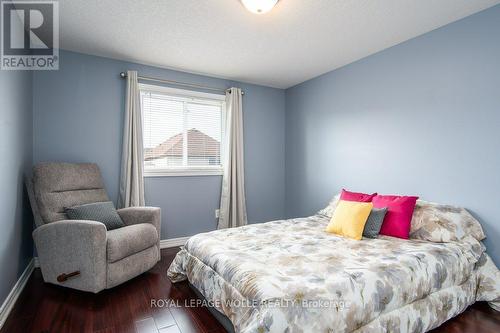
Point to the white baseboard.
(173, 242)
(11, 299)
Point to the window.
(183, 131)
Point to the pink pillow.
(355, 196)
(397, 221)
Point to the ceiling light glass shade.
(259, 6)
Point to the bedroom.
(220, 117)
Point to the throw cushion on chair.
(104, 212)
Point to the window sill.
(184, 172)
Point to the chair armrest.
(73, 245)
(136, 215)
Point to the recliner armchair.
(82, 254)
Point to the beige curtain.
(233, 212)
(132, 177)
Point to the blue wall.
(16, 137)
(78, 116)
(422, 118)
(418, 118)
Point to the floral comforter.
(292, 276)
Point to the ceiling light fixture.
(259, 6)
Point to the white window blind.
(182, 132)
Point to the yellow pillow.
(349, 219)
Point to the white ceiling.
(296, 41)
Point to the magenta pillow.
(397, 221)
(355, 196)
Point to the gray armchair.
(82, 254)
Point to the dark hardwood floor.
(45, 308)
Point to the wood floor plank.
(163, 318)
(45, 308)
(170, 329)
(146, 326)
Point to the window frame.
(194, 96)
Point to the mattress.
(292, 276)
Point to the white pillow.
(328, 210)
(443, 223)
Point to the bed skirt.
(221, 318)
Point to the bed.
(292, 276)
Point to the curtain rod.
(123, 75)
